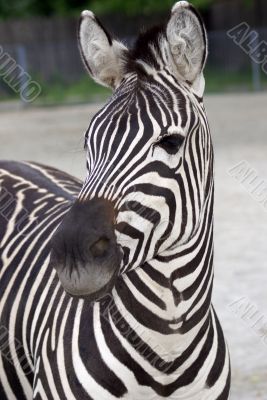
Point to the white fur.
(187, 46)
(199, 85)
(87, 13)
(180, 4)
(105, 61)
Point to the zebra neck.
(166, 302)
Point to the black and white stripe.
(149, 154)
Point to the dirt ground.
(54, 136)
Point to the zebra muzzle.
(84, 250)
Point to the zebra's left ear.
(102, 55)
(187, 38)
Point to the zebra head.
(149, 154)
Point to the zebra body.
(133, 244)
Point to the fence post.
(256, 69)
(22, 61)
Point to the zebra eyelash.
(170, 142)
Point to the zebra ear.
(187, 38)
(102, 55)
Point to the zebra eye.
(171, 143)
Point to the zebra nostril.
(100, 247)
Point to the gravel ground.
(238, 122)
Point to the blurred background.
(41, 37)
(47, 101)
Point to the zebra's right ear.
(187, 38)
(102, 55)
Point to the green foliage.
(18, 8)
(21, 8)
(135, 7)
(60, 92)
(57, 91)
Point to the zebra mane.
(145, 50)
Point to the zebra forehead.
(135, 87)
(139, 96)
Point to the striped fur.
(156, 335)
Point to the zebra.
(106, 286)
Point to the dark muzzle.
(84, 250)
